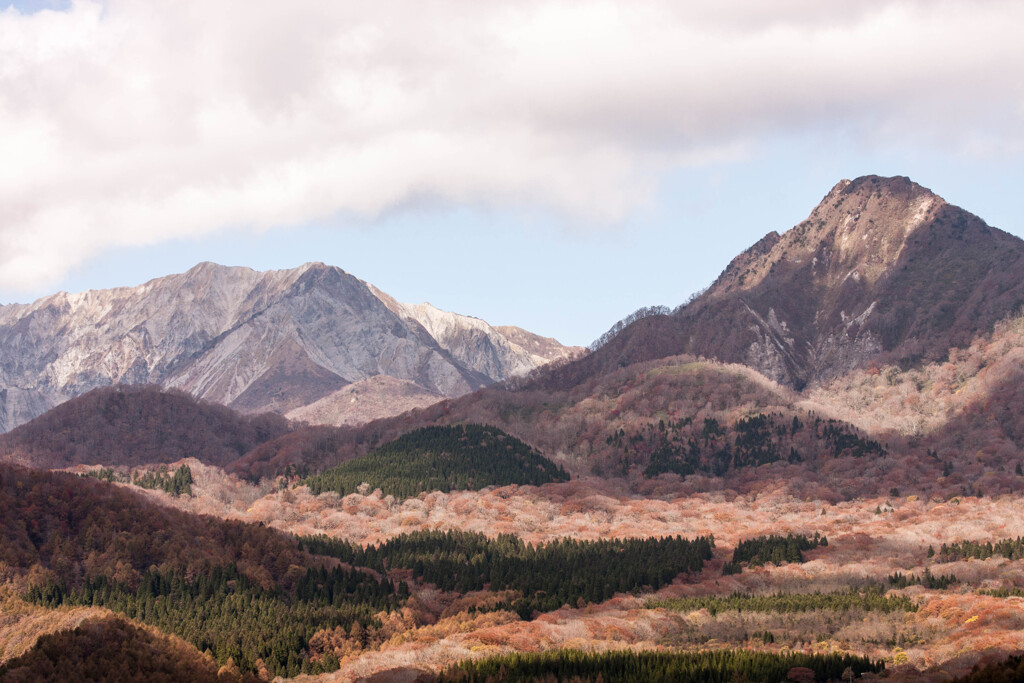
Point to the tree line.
(546, 576)
(928, 580)
(1010, 548)
(177, 484)
(870, 599)
(228, 614)
(441, 458)
(627, 666)
(756, 552)
(1012, 592)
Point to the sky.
(552, 165)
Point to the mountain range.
(882, 274)
(888, 310)
(256, 341)
(291, 472)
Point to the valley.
(814, 466)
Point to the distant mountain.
(675, 415)
(885, 322)
(137, 425)
(882, 270)
(364, 401)
(256, 341)
(497, 352)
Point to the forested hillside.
(112, 650)
(138, 425)
(242, 591)
(678, 415)
(441, 458)
(578, 422)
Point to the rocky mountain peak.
(882, 269)
(273, 340)
(498, 352)
(880, 266)
(859, 230)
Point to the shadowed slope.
(136, 426)
(111, 649)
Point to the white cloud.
(135, 122)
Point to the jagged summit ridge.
(273, 340)
(498, 352)
(882, 269)
(858, 230)
(494, 351)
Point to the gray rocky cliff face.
(476, 344)
(497, 352)
(273, 340)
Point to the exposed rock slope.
(498, 352)
(256, 341)
(364, 401)
(883, 269)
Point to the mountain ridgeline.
(138, 425)
(883, 270)
(255, 341)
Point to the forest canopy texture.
(449, 458)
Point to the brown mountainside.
(79, 528)
(881, 269)
(109, 648)
(620, 424)
(137, 425)
(946, 428)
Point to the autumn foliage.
(137, 425)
